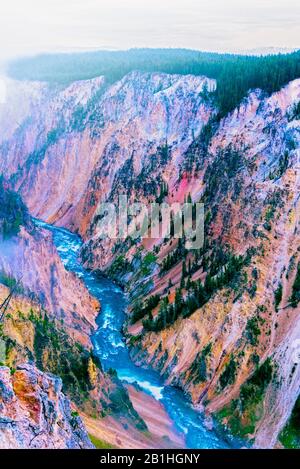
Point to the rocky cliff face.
(32, 257)
(97, 131)
(228, 339)
(249, 179)
(34, 413)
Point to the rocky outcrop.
(34, 413)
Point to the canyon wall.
(64, 152)
(36, 414)
(32, 257)
(46, 320)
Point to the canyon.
(223, 320)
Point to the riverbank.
(160, 434)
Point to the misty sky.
(30, 26)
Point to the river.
(111, 349)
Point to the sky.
(32, 26)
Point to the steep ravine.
(228, 340)
(111, 349)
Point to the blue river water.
(110, 347)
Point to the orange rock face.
(36, 414)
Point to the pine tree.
(184, 269)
